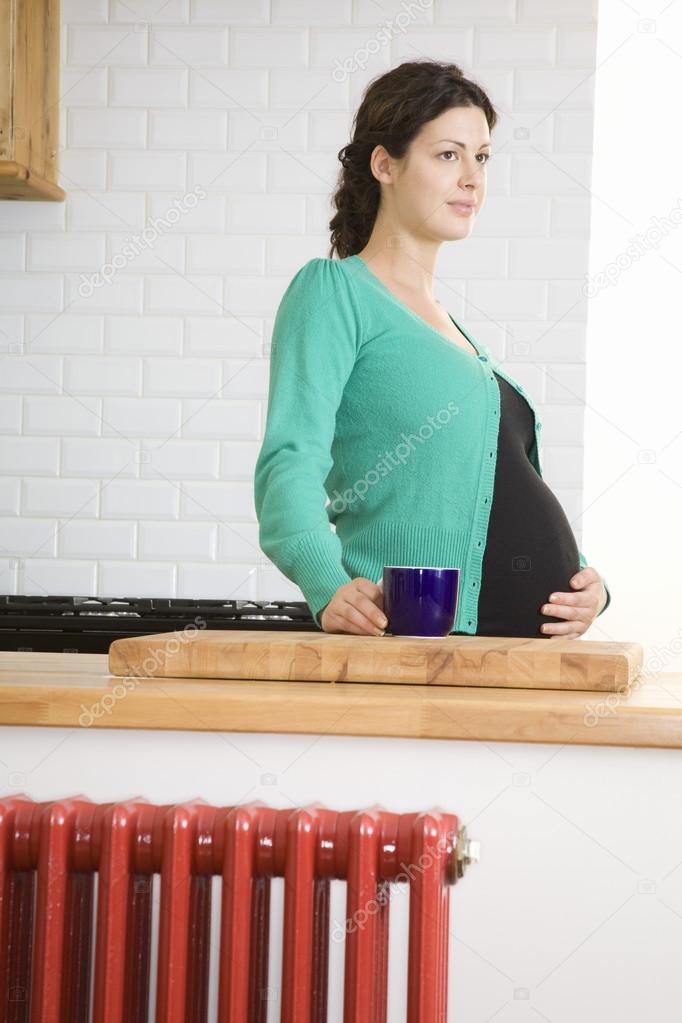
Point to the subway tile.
(135, 579)
(102, 129)
(101, 375)
(71, 251)
(100, 457)
(62, 498)
(35, 456)
(146, 170)
(10, 413)
(177, 541)
(183, 293)
(97, 539)
(148, 87)
(91, 45)
(35, 291)
(220, 418)
(59, 577)
(179, 459)
(193, 47)
(63, 415)
(10, 495)
(31, 374)
(29, 537)
(140, 417)
(12, 251)
(140, 499)
(143, 335)
(188, 129)
(217, 582)
(64, 334)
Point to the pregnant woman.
(382, 404)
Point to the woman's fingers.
(356, 607)
(569, 612)
(564, 629)
(347, 619)
(367, 599)
(364, 615)
(375, 614)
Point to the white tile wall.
(62, 497)
(57, 576)
(12, 251)
(94, 374)
(71, 251)
(137, 417)
(79, 416)
(148, 87)
(30, 456)
(97, 539)
(94, 45)
(10, 414)
(194, 47)
(144, 335)
(193, 541)
(141, 499)
(132, 404)
(102, 211)
(101, 129)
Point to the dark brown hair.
(393, 110)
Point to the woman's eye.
(451, 152)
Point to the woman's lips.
(461, 207)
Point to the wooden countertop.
(76, 690)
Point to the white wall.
(633, 438)
(133, 412)
(572, 913)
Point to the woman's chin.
(458, 232)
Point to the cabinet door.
(29, 100)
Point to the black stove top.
(91, 624)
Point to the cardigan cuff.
(317, 570)
(583, 564)
(608, 597)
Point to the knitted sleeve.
(315, 342)
(583, 564)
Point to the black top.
(530, 550)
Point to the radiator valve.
(467, 850)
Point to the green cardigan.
(376, 411)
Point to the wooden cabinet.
(29, 100)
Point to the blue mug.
(420, 601)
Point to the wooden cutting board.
(327, 657)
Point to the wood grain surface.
(76, 691)
(516, 663)
(29, 100)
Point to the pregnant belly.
(530, 552)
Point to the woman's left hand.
(579, 608)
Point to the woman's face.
(445, 162)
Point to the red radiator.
(51, 852)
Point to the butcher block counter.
(71, 690)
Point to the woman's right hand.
(356, 607)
